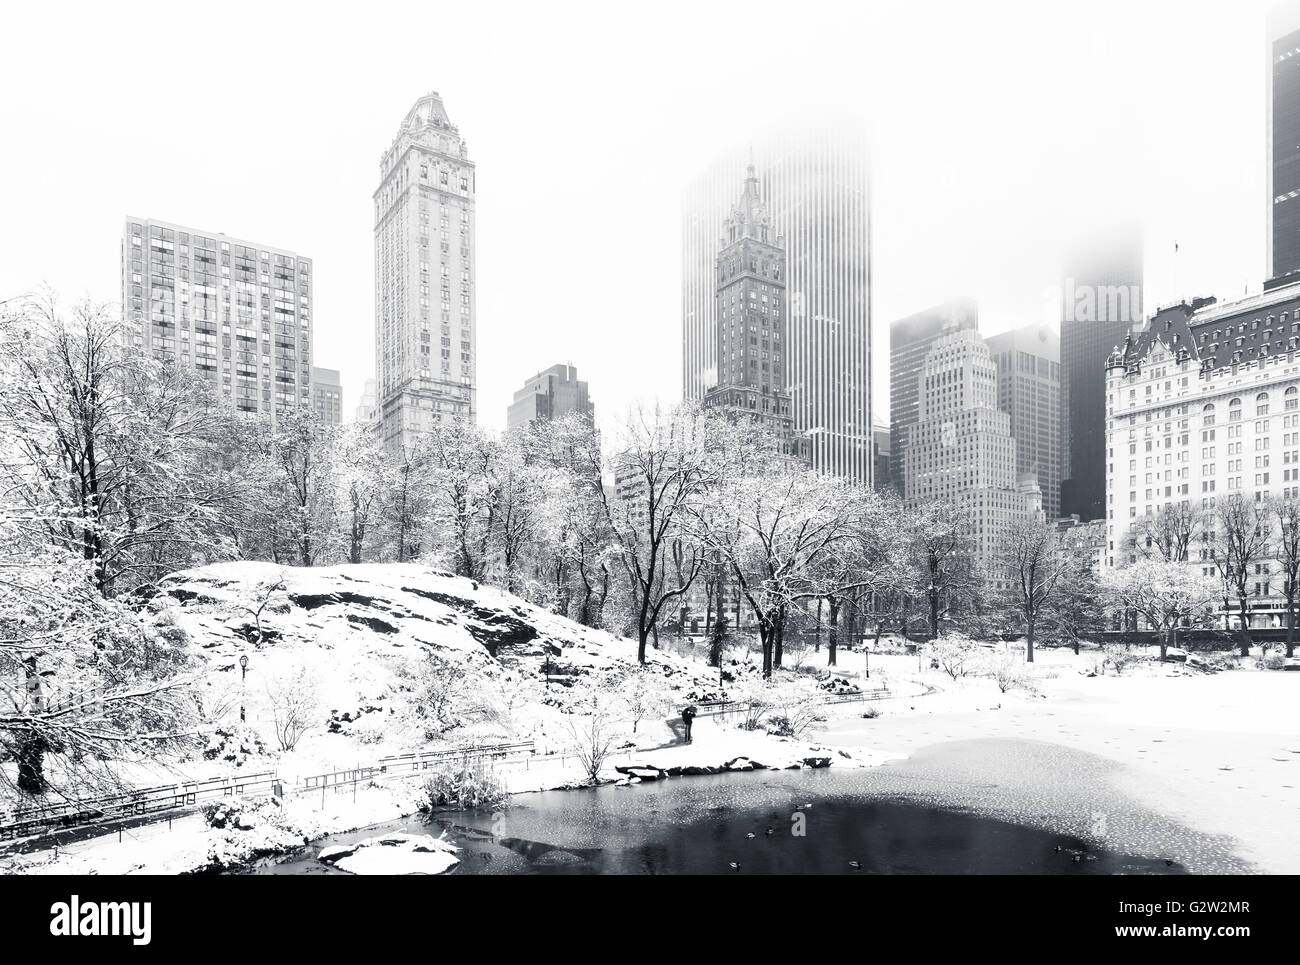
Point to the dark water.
(820, 821)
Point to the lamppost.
(243, 686)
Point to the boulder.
(817, 762)
(394, 854)
(739, 764)
(645, 773)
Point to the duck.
(734, 865)
(855, 865)
(750, 835)
(770, 831)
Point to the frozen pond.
(975, 807)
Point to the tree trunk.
(1029, 641)
(817, 640)
(765, 634)
(1290, 627)
(934, 614)
(1245, 626)
(31, 749)
(832, 628)
(779, 650)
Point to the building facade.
(1205, 404)
(910, 340)
(327, 396)
(425, 339)
(1101, 301)
(1282, 128)
(239, 313)
(1077, 540)
(960, 449)
(817, 190)
(882, 478)
(1029, 391)
(550, 394)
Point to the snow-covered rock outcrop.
(359, 636)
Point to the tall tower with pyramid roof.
(425, 340)
(752, 330)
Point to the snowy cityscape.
(592, 472)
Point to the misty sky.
(997, 128)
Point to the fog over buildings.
(578, 223)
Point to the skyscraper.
(750, 308)
(910, 340)
(327, 395)
(550, 394)
(368, 408)
(1282, 132)
(1101, 299)
(817, 191)
(1029, 391)
(236, 312)
(960, 449)
(424, 276)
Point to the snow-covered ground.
(357, 638)
(1219, 752)
(1215, 751)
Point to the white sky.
(996, 125)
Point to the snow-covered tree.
(1167, 595)
(666, 460)
(777, 530)
(108, 453)
(944, 570)
(1243, 528)
(1034, 567)
(1286, 514)
(86, 685)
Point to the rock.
(739, 764)
(244, 822)
(693, 770)
(330, 855)
(674, 771)
(394, 854)
(645, 773)
(817, 762)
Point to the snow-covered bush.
(795, 703)
(462, 785)
(370, 730)
(293, 706)
(1119, 657)
(448, 695)
(1010, 672)
(235, 745)
(956, 654)
(594, 735)
(223, 814)
(1273, 661)
(644, 694)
